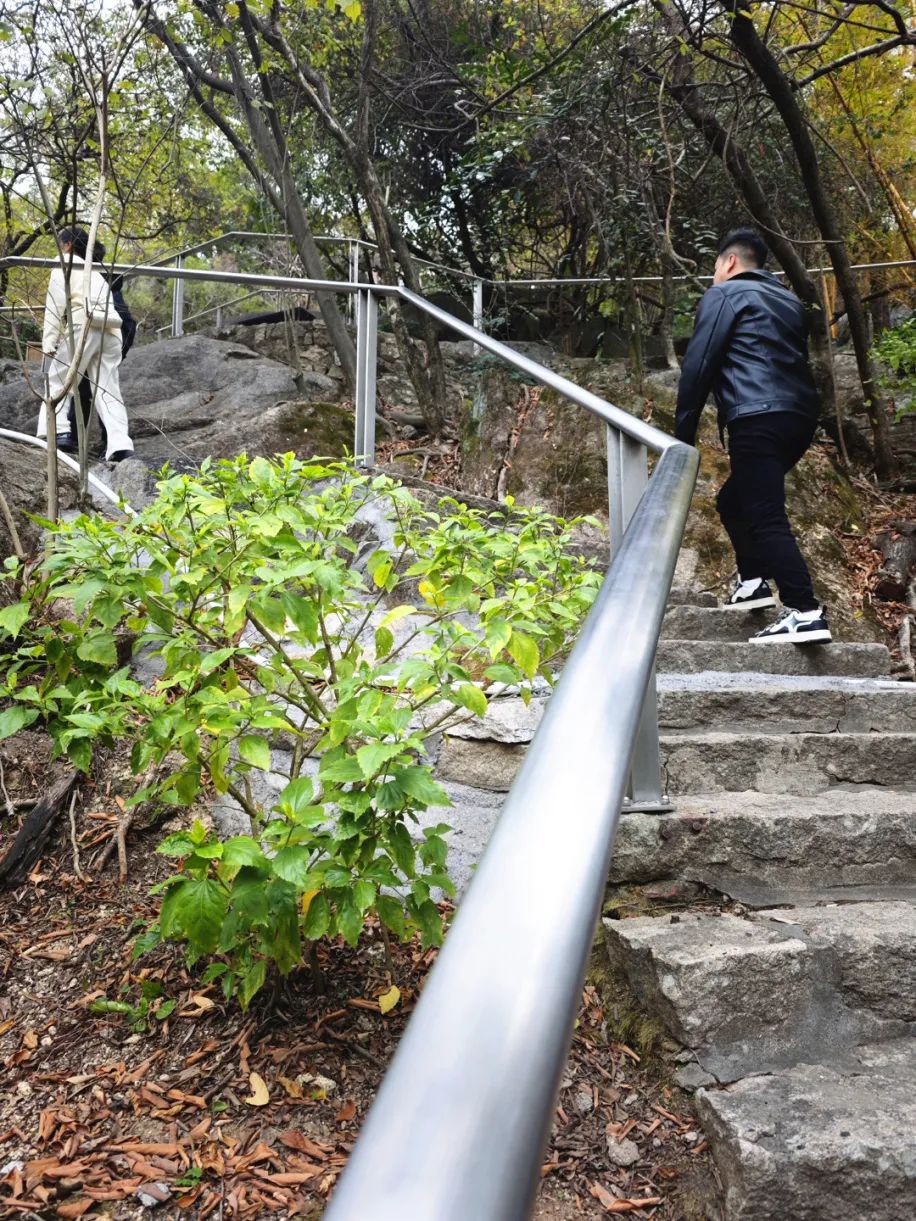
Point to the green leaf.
(303, 613)
(417, 782)
(16, 718)
(271, 613)
(430, 922)
(372, 757)
(398, 612)
(498, 636)
(525, 651)
(212, 661)
(166, 1009)
(194, 909)
(363, 894)
(255, 750)
(296, 797)
(242, 850)
(349, 919)
(179, 844)
(472, 698)
(261, 472)
(79, 752)
(341, 770)
(13, 617)
(391, 914)
(100, 649)
(502, 673)
(292, 864)
(402, 850)
(384, 642)
(252, 981)
(318, 918)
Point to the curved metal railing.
(460, 1122)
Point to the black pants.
(85, 397)
(752, 502)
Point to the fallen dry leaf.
(346, 1112)
(260, 1094)
(74, 1208)
(293, 1088)
(388, 1000)
(602, 1195)
(301, 1143)
(197, 1002)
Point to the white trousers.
(99, 362)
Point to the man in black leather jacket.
(750, 349)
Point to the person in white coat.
(87, 322)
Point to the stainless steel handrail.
(460, 1122)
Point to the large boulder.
(197, 396)
(23, 481)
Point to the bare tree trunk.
(277, 184)
(680, 86)
(428, 378)
(761, 60)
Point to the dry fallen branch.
(35, 831)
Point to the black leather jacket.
(750, 348)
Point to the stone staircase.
(787, 975)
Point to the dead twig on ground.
(76, 850)
(10, 807)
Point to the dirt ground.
(212, 1112)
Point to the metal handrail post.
(628, 475)
(366, 368)
(353, 263)
(178, 302)
(477, 307)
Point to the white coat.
(94, 314)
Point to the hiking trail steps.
(788, 975)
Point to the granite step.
(749, 995)
(694, 656)
(691, 622)
(761, 851)
(819, 1142)
(765, 703)
(794, 763)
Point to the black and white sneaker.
(750, 595)
(796, 627)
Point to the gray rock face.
(713, 623)
(197, 396)
(482, 765)
(819, 1141)
(710, 978)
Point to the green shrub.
(258, 590)
(896, 349)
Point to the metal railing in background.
(460, 1122)
(477, 282)
(353, 244)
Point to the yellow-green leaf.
(388, 1000)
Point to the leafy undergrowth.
(185, 1104)
(883, 511)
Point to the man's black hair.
(747, 244)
